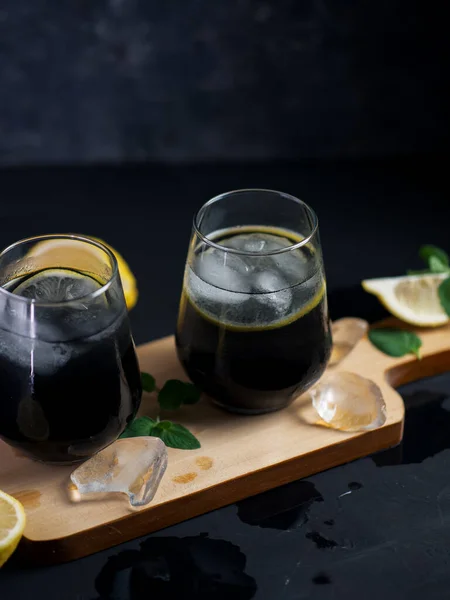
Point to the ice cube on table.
(346, 334)
(133, 466)
(349, 402)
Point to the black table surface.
(377, 527)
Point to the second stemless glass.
(253, 329)
(69, 374)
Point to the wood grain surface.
(240, 456)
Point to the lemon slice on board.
(12, 524)
(63, 251)
(412, 298)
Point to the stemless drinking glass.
(253, 329)
(69, 374)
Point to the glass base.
(60, 463)
(249, 411)
(56, 463)
(63, 461)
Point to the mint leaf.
(163, 425)
(169, 397)
(444, 295)
(191, 393)
(172, 434)
(175, 435)
(437, 266)
(429, 251)
(174, 393)
(138, 427)
(148, 382)
(395, 342)
(436, 259)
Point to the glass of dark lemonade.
(253, 330)
(69, 375)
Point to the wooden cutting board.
(240, 456)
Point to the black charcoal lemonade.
(69, 390)
(253, 331)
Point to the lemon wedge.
(68, 253)
(128, 279)
(412, 298)
(12, 524)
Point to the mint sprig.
(148, 382)
(434, 255)
(437, 260)
(174, 393)
(138, 427)
(395, 342)
(171, 396)
(173, 435)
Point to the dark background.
(343, 104)
(130, 80)
(373, 216)
(375, 528)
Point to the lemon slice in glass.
(69, 252)
(412, 298)
(12, 524)
(57, 285)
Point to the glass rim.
(62, 236)
(205, 239)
